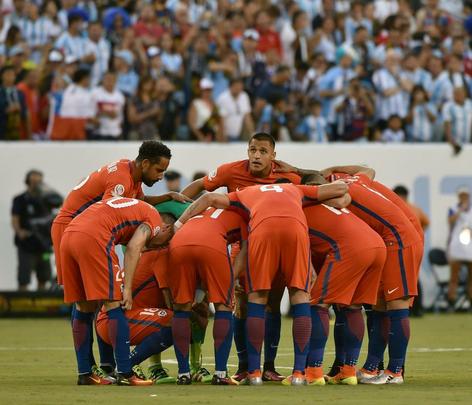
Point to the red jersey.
(258, 203)
(410, 214)
(380, 213)
(236, 175)
(214, 228)
(112, 180)
(338, 232)
(149, 278)
(114, 221)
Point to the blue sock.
(181, 335)
(301, 332)
(222, 338)
(378, 329)
(255, 325)
(319, 335)
(154, 343)
(399, 337)
(353, 334)
(82, 324)
(271, 339)
(106, 352)
(239, 328)
(338, 334)
(118, 331)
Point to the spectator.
(100, 48)
(76, 116)
(147, 29)
(313, 126)
(13, 110)
(50, 11)
(127, 79)
(170, 105)
(333, 85)
(27, 215)
(143, 111)
(173, 181)
(171, 59)
(268, 37)
(273, 119)
(247, 56)
(37, 30)
(72, 43)
(109, 106)
(235, 110)
(403, 193)
(204, 119)
(421, 116)
(394, 131)
(353, 113)
(460, 247)
(457, 117)
(389, 91)
(30, 89)
(276, 87)
(441, 86)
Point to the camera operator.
(32, 215)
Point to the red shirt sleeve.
(310, 193)
(218, 177)
(153, 220)
(364, 179)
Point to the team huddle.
(334, 238)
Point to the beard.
(147, 181)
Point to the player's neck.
(135, 171)
(262, 174)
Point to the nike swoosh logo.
(392, 291)
(237, 189)
(95, 379)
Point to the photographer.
(32, 215)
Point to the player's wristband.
(177, 225)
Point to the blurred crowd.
(218, 70)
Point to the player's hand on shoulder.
(179, 197)
(284, 167)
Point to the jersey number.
(271, 187)
(336, 211)
(128, 202)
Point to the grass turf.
(38, 367)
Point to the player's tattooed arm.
(351, 170)
(216, 200)
(133, 252)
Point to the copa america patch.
(119, 190)
(212, 174)
(162, 313)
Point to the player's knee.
(298, 296)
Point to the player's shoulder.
(228, 168)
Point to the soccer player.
(149, 331)
(277, 242)
(194, 260)
(349, 277)
(259, 168)
(400, 274)
(93, 276)
(123, 178)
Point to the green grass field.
(37, 366)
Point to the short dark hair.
(72, 18)
(263, 136)
(153, 151)
(80, 75)
(401, 190)
(172, 175)
(314, 178)
(32, 172)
